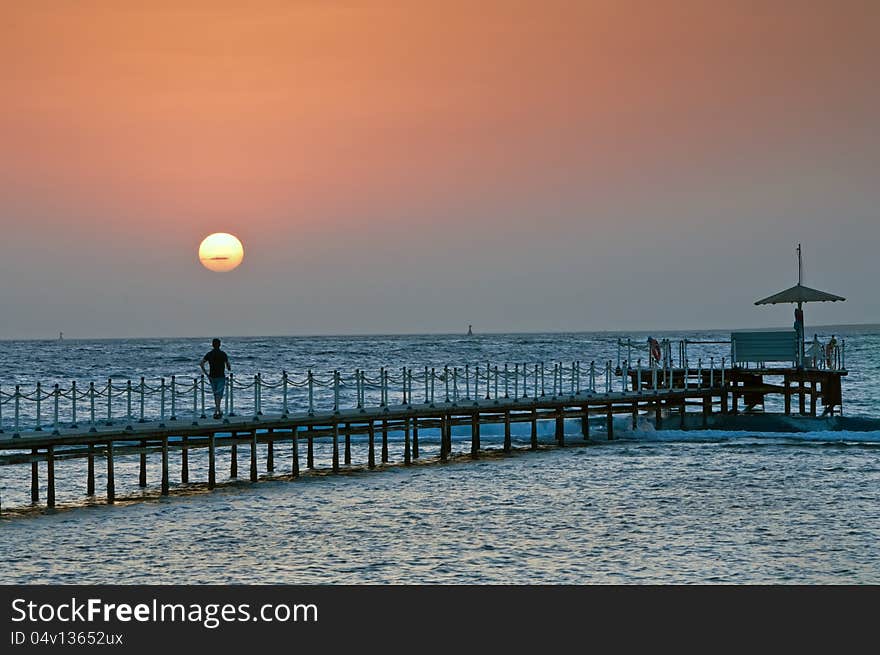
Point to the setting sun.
(221, 252)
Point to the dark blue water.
(667, 506)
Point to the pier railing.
(180, 399)
(54, 406)
(821, 352)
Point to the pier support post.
(90, 473)
(444, 426)
(635, 416)
(348, 444)
(724, 400)
(384, 441)
(534, 429)
(560, 427)
(407, 457)
(35, 478)
(165, 466)
(295, 451)
(585, 423)
(310, 452)
(270, 453)
(335, 447)
(50, 477)
(233, 456)
(658, 414)
(610, 422)
(812, 398)
(735, 398)
(507, 431)
(184, 461)
(683, 410)
(707, 410)
(786, 392)
(254, 474)
(371, 445)
(142, 480)
(415, 438)
(802, 405)
(475, 434)
(212, 461)
(111, 480)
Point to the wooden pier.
(156, 446)
(664, 395)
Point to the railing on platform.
(174, 399)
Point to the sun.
(221, 252)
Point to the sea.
(649, 507)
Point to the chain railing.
(177, 399)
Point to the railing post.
(256, 399)
(592, 377)
(536, 381)
(515, 381)
(433, 376)
(426, 385)
(639, 373)
(161, 403)
(578, 377)
(231, 395)
(699, 373)
(109, 401)
(73, 423)
(202, 386)
(467, 381)
(363, 391)
(311, 393)
(571, 381)
(56, 392)
(542, 378)
(496, 384)
(173, 398)
(259, 394)
(335, 392)
(506, 382)
(476, 384)
(195, 420)
(17, 432)
(284, 394)
(712, 372)
(128, 405)
(446, 380)
(455, 385)
(39, 427)
(722, 371)
(94, 427)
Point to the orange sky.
(527, 127)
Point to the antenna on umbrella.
(800, 266)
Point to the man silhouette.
(219, 364)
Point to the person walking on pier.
(218, 362)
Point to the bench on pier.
(764, 346)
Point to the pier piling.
(35, 478)
(295, 454)
(212, 462)
(90, 471)
(50, 477)
(164, 466)
(111, 480)
(371, 445)
(184, 461)
(254, 472)
(142, 480)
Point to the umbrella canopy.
(799, 294)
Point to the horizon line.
(428, 334)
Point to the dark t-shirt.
(217, 359)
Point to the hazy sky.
(418, 166)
